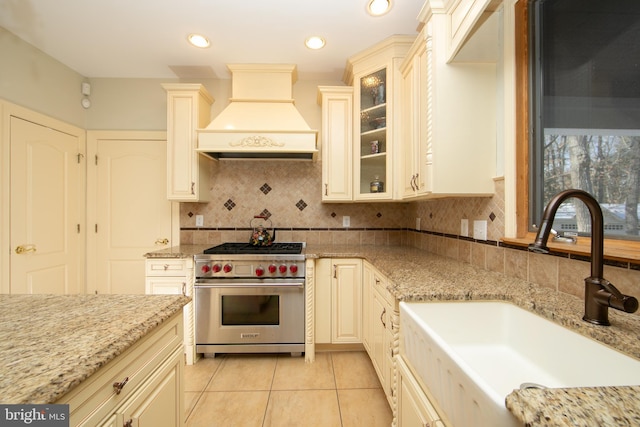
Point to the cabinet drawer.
(95, 398)
(166, 267)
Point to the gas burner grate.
(247, 248)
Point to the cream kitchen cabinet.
(375, 75)
(415, 120)
(450, 111)
(379, 316)
(188, 172)
(414, 408)
(338, 301)
(174, 276)
(142, 386)
(337, 146)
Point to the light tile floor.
(339, 389)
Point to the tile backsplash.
(289, 193)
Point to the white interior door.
(129, 214)
(45, 218)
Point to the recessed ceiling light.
(378, 7)
(198, 40)
(314, 42)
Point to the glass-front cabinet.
(372, 143)
(376, 80)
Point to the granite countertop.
(51, 343)
(418, 276)
(182, 251)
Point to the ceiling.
(147, 38)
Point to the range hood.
(261, 121)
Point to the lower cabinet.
(381, 323)
(338, 292)
(174, 276)
(413, 407)
(142, 386)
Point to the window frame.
(615, 249)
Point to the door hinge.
(96, 160)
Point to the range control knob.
(227, 268)
(259, 271)
(205, 268)
(272, 268)
(217, 268)
(282, 268)
(293, 268)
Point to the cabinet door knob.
(118, 386)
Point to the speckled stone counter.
(51, 343)
(418, 276)
(182, 251)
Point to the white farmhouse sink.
(471, 355)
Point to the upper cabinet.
(188, 172)
(376, 79)
(450, 110)
(337, 137)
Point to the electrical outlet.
(464, 227)
(346, 221)
(480, 230)
(199, 220)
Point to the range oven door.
(245, 312)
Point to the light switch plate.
(199, 220)
(346, 221)
(464, 227)
(480, 230)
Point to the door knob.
(23, 249)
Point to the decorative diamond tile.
(265, 188)
(379, 215)
(265, 213)
(229, 204)
(190, 214)
(301, 205)
(492, 216)
(333, 214)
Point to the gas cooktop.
(249, 249)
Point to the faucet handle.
(608, 286)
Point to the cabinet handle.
(117, 386)
(326, 189)
(335, 271)
(377, 281)
(413, 177)
(417, 185)
(384, 311)
(164, 241)
(23, 249)
(184, 288)
(129, 423)
(193, 188)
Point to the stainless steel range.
(250, 299)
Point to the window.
(584, 111)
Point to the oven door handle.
(251, 285)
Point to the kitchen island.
(50, 345)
